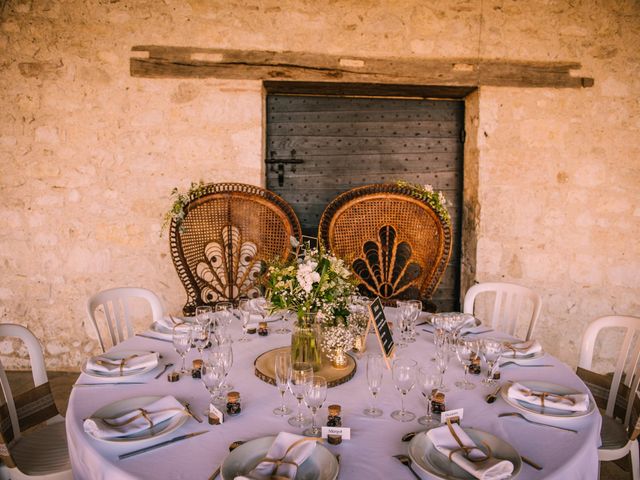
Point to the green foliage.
(436, 200)
(180, 200)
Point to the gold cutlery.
(166, 367)
(506, 364)
(406, 461)
(409, 436)
(232, 447)
(151, 337)
(493, 396)
(161, 444)
(106, 384)
(531, 462)
(519, 415)
(187, 407)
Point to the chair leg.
(635, 460)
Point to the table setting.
(452, 400)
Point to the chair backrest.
(228, 234)
(621, 395)
(115, 305)
(397, 244)
(510, 301)
(28, 408)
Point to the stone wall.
(88, 154)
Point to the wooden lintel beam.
(191, 62)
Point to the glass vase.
(305, 341)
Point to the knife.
(106, 384)
(154, 338)
(161, 444)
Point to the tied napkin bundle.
(287, 452)
(136, 421)
(522, 349)
(453, 442)
(166, 323)
(577, 402)
(123, 364)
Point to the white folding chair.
(41, 453)
(115, 305)
(510, 301)
(618, 392)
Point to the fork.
(187, 407)
(506, 364)
(516, 414)
(167, 366)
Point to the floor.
(61, 383)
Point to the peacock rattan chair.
(228, 233)
(396, 243)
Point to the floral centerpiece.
(316, 285)
(427, 193)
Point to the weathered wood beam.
(191, 62)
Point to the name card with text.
(383, 332)
(344, 432)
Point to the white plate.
(116, 356)
(508, 357)
(321, 465)
(424, 454)
(538, 411)
(114, 410)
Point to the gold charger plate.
(265, 368)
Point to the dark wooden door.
(318, 147)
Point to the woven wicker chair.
(227, 235)
(397, 244)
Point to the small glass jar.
(437, 403)
(263, 329)
(474, 366)
(334, 420)
(196, 371)
(233, 403)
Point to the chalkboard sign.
(383, 332)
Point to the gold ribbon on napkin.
(143, 414)
(466, 450)
(281, 461)
(515, 349)
(543, 395)
(121, 364)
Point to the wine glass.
(314, 396)
(465, 350)
(403, 322)
(182, 342)
(285, 320)
(491, 351)
(245, 314)
(211, 377)
(200, 336)
(283, 376)
(442, 362)
(428, 383)
(404, 378)
(224, 354)
(203, 315)
(414, 308)
(375, 367)
(301, 375)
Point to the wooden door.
(318, 147)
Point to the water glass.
(224, 314)
(224, 355)
(465, 351)
(182, 342)
(428, 383)
(245, 314)
(442, 362)
(211, 376)
(200, 336)
(203, 315)
(415, 307)
(491, 351)
(404, 378)
(314, 396)
(375, 367)
(283, 377)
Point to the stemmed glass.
(301, 375)
(404, 378)
(414, 307)
(427, 383)
(224, 354)
(491, 351)
(314, 396)
(182, 342)
(465, 351)
(283, 376)
(224, 314)
(442, 361)
(375, 367)
(200, 336)
(245, 314)
(404, 322)
(203, 315)
(285, 321)
(211, 377)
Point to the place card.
(344, 432)
(383, 331)
(213, 411)
(454, 416)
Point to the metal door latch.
(277, 164)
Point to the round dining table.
(369, 454)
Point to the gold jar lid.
(233, 397)
(334, 410)
(439, 397)
(197, 364)
(262, 324)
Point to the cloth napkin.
(522, 349)
(287, 447)
(119, 365)
(578, 402)
(136, 421)
(166, 323)
(445, 443)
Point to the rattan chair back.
(396, 243)
(226, 238)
